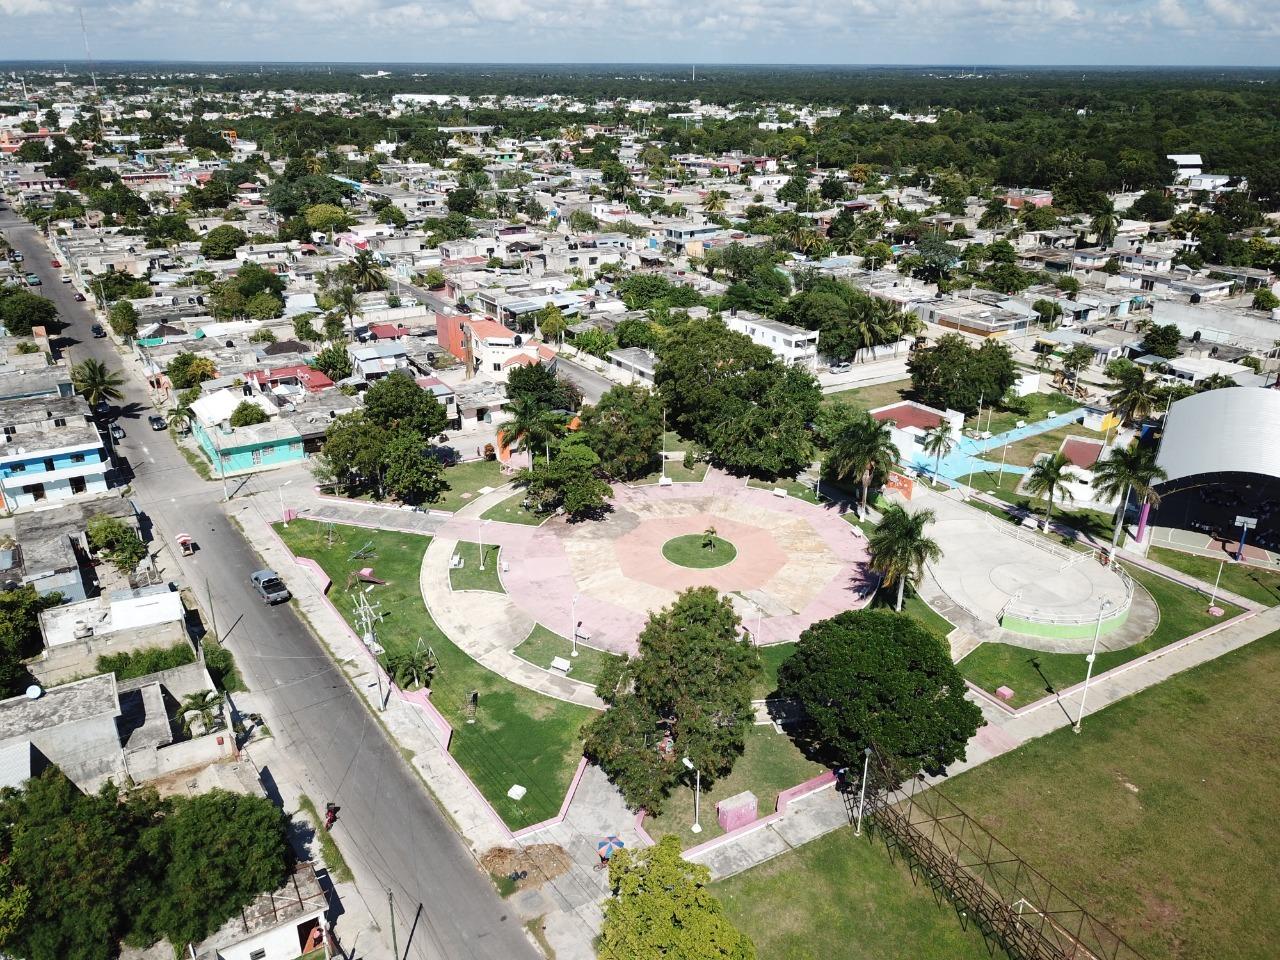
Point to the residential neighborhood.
(712, 513)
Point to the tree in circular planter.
(877, 678)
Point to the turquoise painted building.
(261, 446)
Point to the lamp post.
(862, 793)
(482, 525)
(697, 795)
(1213, 597)
(1093, 655)
(573, 624)
(284, 518)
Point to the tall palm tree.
(939, 442)
(1105, 222)
(344, 299)
(181, 417)
(1124, 470)
(532, 427)
(366, 274)
(96, 382)
(1049, 477)
(861, 449)
(207, 707)
(899, 548)
(1135, 395)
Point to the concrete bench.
(456, 562)
(560, 665)
(779, 492)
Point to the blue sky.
(1104, 32)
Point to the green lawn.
(770, 764)
(1099, 525)
(469, 576)
(1024, 452)
(1038, 407)
(873, 397)
(512, 510)
(465, 479)
(842, 898)
(542, 645)
(694, 551)
(800, 489)
(771, 659)
(1262, 586)
(679, 473)
(1032, 674)
(1160, 816)
(672, 441)
(913, 606)
(518, 737)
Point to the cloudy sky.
(1121, 32)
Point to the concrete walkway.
(965, 457)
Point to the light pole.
(573, 624)
(482, 525)
(862, 793)
(697, 795)
(284, 519)
(1093, 655)
(1213, 597)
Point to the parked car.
(102, 408)
(65, 278)
(841, 367)
(157, 422)
(117, 432)
(97, 331)
(33, 280)
(269, 586)
(79, 298)
(55, 264)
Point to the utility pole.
(391, 908)
(213, 618)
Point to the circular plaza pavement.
(795, 562)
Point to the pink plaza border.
(440, 728)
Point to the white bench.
(779, 492)
(583, 634)
(560, 665)
(456, 562)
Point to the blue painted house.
(232, 450)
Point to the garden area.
(1023, 453)
(513, 510)
(1255, 583)
(1037, 406)
(770, 763)
(841, 896)
(679, 473)
(466, 480)
(1092, 523)
(798, 488)
(542, 646)
(470, 576)
(518, 736)
(699, 551)
(1160, 816)
(1033, 674)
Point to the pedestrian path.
(965, 458)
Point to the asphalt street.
(389, 828)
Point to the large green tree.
(221, 243)
(661, 907)
(953, 375)
(396, 401)
(22, 311)
(879, 679)
(687, 694)
(625, 431)
(567, 480)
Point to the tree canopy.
(625, 431)
(953, 375)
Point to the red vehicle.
(54, 263)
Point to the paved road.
(592, 385)
(389, 827)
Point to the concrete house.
(50, 451)
(243, 449)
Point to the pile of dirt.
(540, 861)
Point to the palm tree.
(899, 548)
(207, 707)
(713, 202)
(1124, 470)
(96, 382)
(863, 447)
(532, 426)
(344, 299)
(1135, 395)
(1105, 221)
(410, 669)
(181, 417)
(939, 442)
(1048, 477)
(366, 274)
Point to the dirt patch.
(541, 861)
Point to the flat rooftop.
(67, 703)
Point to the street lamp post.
(573, 624)
(862, 793)
(1093, 655)
(284, 518)
(482, 525)
(697, 795)
(1213, 597)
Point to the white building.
(50, 450)
(792, 345)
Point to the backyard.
(770, 764)
(542, 646)
(466, 480)
(1160, 816)
(842, 898)
(1245, 580)
(518, 736)
(1032, 674)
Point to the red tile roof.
(1083, 453)
(909, 415)
(312, 380)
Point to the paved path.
(965, 457)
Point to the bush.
(140, 663)
(1264, 299)
(117, 541)
(247, 413)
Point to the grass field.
(679, 473)
(913, 606)
(1093, 522)
(1032, 674)
(872, 397)
(771, 658)
(1038, 407)
(1262, 586)
(541, 646)
(1024, 452)
(842, 898)
(469, 576)
(770, 764)
(800, 489)
(692, 550)
(467, 478)
(1160, 816)
(518, 737)
(512, 510)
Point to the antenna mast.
(88, 57)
